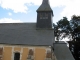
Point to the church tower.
(44, 16)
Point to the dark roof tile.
(25, 33)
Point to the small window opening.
(17, 56)
(30, 55)
(46, 16)
(43, 16)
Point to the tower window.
(17, 56)
(46, 14)
(43, 16)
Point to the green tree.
(71, 30)
(61, 29)
(65, 28)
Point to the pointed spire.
(45, 6)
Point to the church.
(32, 41)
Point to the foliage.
(71, 30)
(62, 29)
(65, 28)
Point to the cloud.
(9, 14)
(70, 6)
(71, 9)
(0, 2)
(18, 5)
(9, 20)
(15, 5)
(21, 5)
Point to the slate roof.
(44, 6)
(25, 34)
(62, 52)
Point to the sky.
(20, 11)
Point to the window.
(43, 15)
(1, 53)
(48, 55)
(30, 55)
(17, 56)
(46, 16)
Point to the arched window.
(30, 55)
(17, 56)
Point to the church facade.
(32, 41)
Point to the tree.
(71, 30)
(62, 29)
(75, 43)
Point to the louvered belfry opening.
(30, 55)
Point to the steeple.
(45, 6)
(44, 16)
